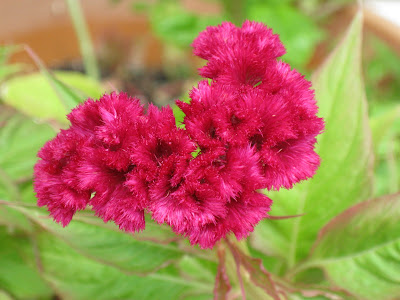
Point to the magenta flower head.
(252, 127)
(92, 159)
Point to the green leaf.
(360, 249)
(9, 192)
(20, 140)
(78, 277)
(255, 277)
(199, 269)
(345, 175)
(18, 274)
(49, 97)
(14, 220)
(131, 253)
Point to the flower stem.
(238, 275)
(85, 42)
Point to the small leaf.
(360, 249)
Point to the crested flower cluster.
(252, 126)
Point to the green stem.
(239, 276)
(85, 43)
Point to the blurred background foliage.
(33, 107)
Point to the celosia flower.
(254, 126)
(242, 53)
(160, 139)
(56, 184)
(257, 105)
(95, 152)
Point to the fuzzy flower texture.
(251, 126)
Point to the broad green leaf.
(345, 175)
(18, 274)
(12, 219)
(360, 249)
(11, 142)
(128, 252)
(78, 277)
(49, 97)
(20, 140)
(199, 269)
